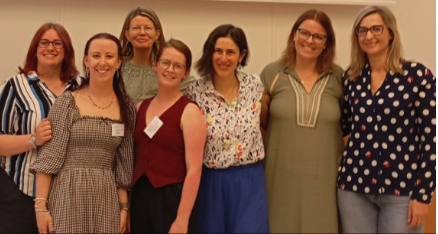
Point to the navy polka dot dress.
(392, 134)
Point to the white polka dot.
(355, 170)
(405, 72)
(399, 148)
(387, 181)
(349, 161)
(366, 172)
(361, 162)
(360, 180)
(404, 139)
(393, 156)
(420, 73)
(391, 95)
(401, 166)
(415, 89)
(401, 113)
(370, 119)
(356, 118)
(362, 145)
(413, 64)
(370, 137)
(348, 178)
(391, 138)
(401, 88)
(362, 110)
(427, 147)
(395, 174)
(411, 148)
(431, 184)
(354, 188)
(428, 174)
(414, 166)
(357, 136)
(384, 145)
(343, 169)
(432, 103)
(423, 165)
(363, 94)
(428, 86)
(387, 111)
(380, 101)
(399, 130)
(350, 143)
(422, 94)
(406, 96)
(367, 190)
(406, 122)
(376, 145)
(433, 121)
(396, 103)
(425, 197)
(409, 175)
(374, 163)
(402, 184)
(369, 102)
(384, 128)
(396, 80)
(433, 157)
(406, 157)
(393, 120)
(422, 191)
(427, 130)
(425, 112)
(358, 87)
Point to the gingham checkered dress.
(88, 165)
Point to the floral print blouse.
(392, 143)
(233, 128)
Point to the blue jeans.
(362, 213)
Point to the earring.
(239, 66)
(87, 73)
(118, 73)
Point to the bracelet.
(41, 210)
(40, 199)
(124, 206)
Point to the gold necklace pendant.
(102, 108)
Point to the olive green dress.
(304, 147)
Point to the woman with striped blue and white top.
(25, 100)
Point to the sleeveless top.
(162, 157)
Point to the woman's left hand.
(179, 226)
(417, 213)
(123, 220)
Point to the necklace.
(102, 108)
(306, 77)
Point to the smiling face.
(307, 48)
(49, 56)
(142, 33)
(170, 68)
(226, 57)
(374, 45)
(102, 59)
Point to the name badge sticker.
(118, 130)
(153, 127)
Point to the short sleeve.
(51, 156)
(124, 162)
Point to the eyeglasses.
(177, 67)
(375, 30)
(138, 29)
(44, 43)
(317, 38)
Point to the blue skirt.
(233, 200)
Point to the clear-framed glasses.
(376, 30)
(44, 43)
(317, 38)
(177, 67)
(138, 29)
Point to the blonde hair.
(127, 50)
(359, 58)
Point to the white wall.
(267, 25)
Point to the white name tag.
(118, 130)
(153, 127)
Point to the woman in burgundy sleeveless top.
(169, 136)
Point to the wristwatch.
(32, 141)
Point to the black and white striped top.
(24, 102)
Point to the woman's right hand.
(43, 132)
(44, 222)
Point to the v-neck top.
(392, 143)
(162, 157)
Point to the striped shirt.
(24, 102)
